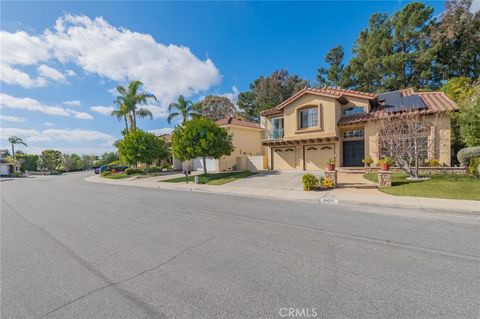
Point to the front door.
(353, 153)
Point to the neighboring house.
(6, 167)
(316, 124)
(248, 149)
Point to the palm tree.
(128, 100)
(185, 109)
(15, 140)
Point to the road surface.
(72, 249)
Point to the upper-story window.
(308, 117)
(353, 110)
(277, 123)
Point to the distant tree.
(107, 158)
(71, 162)
(183, 108)
(215, 107)
(88, 161)
(141, 147)
(332, 76)
(14, 141)
(458, 88)
(269, 91)
(28, 162)
(247, 107)
(201, 137)
(50, 160)
(128, 102)
(456, 38)
(469, 118)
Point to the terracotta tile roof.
(435, 102)
(332, 92)
(237, 122)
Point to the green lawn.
(117, 176)
(214, 179)
(438, 186)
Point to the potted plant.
(367, 161)
(331, 164)
(385, 163)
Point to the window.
(353, 134)
(354, 110)
(309, 117)
(277, 123)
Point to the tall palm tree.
(15, 140)
(184, 108)
(128, 100)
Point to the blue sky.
(61, 60)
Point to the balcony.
(275, 134)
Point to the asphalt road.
(72, 249)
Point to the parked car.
(102, 169)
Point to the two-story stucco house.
(316, 124)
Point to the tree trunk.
(134, 120)
(204, 165)
(13, 151)
(416, 159)
(126, 124)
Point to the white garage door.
(284, 157)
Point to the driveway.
(282, 180)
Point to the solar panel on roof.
(395, 102)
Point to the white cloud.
(50, 73)
(48, 124)
(25, 103)
(104, 110)
(157, 111)
(70, 73)
(72, 103)
(161, 131)
(112, 53)
(233, 95)
(17, 77)
(12, 118)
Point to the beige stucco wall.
(439, 139)
(246, 141)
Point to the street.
(73, 249)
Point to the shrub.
(368, 161)
(432, 163)
(154, 169)
(309, 182)
(327, 182)
(466, 154)
(131, 171)
(106, 173)
(166, 167)
(473, 166)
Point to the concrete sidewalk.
(342, 196)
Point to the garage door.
(283, 158)
(316, 156)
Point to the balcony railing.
(274, 134)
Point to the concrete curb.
(327, 195)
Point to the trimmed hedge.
(106, 173)
(473, 167)
(466, 154)
(131, 171)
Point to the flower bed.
(425, 170)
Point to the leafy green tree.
(200, 137)
(469, 118)
(128, 101)
(215, 107)
(141, 147)
(183, 108)
(14, 141)
(50, 160)
(332, 76)
(107, 158)
(28, 162)
(456, 38)
(71, 162)
(247, 107)
(458, 88)
(88, 161)
(269, 91)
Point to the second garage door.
(283, 158)
(316, 156)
